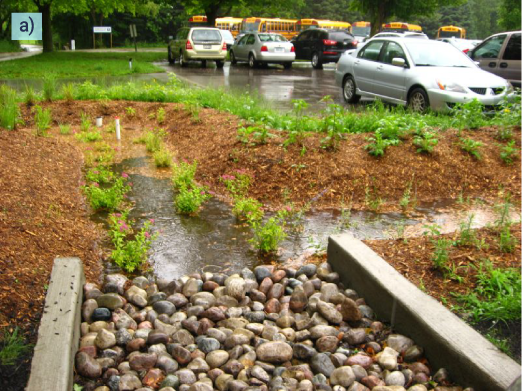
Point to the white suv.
(198, 43)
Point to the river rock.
(111, 301)
(208, 345)
(87, 366)
(308, 269)
(142, 361)
(327, 344)
(236, 287)
(395, 378)
(105, 339)
(88, 309)
(186, 376)
(399, 343)
(274, 352)
(204, 299)
(329, 312)
(217, 358)
(342, 376)
(298, 300)
(321, 363)
(116, 280)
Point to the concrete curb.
(448, 342)
(59, 332)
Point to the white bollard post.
(73, 44)
(99, 122)
(117, 126)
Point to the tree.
(380, 11)
(509, 15)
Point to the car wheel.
(233, 59)
(418, 100)
(349, 89)
(287, 65)
(252, 61)
(169, 56)
(220, 63)
(182, 61)
(316, 61)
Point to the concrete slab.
(448, 342)
(59, 332)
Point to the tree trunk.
(47, 32)
(378, 18)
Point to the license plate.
(279, 49)
(207, 46)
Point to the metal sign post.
(134, 35)
(100, 30)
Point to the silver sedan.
(420, 73)
(263, 48)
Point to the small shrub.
(188, 201)
(268, 236)
(85, 122)
(9, 110)
(372, 198)
(248, 209)
(509, 153)
(504, 134)
(160, 116)
(506, 241)
(162, 158)
(153, 140)
(42, 120)
(49, 86)
(68, 91)
(471, 147)
(440, 255)
(131, 112)
(13, 347)
(29, 96)
(88, 137)
(237, 184)
(378, 145)
(469, 115)
(130, 251)
(407, 197)
(65, 129)
(100, 174)
(467, 236)
(425, 142)
(109, 198)
(183, 174)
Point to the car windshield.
(252, 26)
(226, 34)
(271, 38)
(339, 36)
(362, 31)
(438, 54)
(206, 35)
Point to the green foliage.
(467, 236)
(471, 147)
(269, 235)
(469, 115)
(506, 240)
(496, 296)
(42, 120)
(509, 153)
(9, 111)
(49, 86)
(77, 387)
(407, 197)
(189, 200)
(85, 122)
(296, 130)
(68, 91)
(107, 198)
(131, 112)
(194, 109)
(440, 255)
(88, 137)
(509, 15)
(153, 139)
(183, 174)
(100, 175)
(65, 129)
(332, 125)
(160, 116)
(372, 198)
(378, 144)
(425, 142)
(248, 209)
(13, 347)
(162, 158)
(237, 184)
(502, 344)
(29, 96)
(254, 135)
(131, 248)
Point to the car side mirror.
(399, 62)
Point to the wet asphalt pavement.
(274, 84)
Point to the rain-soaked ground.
(215, 241)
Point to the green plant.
(440, 255)
(469, 115)
(506, 240)
(65, 129)
(131, 112)
(68, 91)
(109, 198)
(162, 158)
(88, 137)
(504, 134)
(502, 344)
(296, 130)
(188, 201)
(183, 174)
(496, 296)
(267, 236)
(100, 175)
(85, 122)
(237, 184)
(425, 142)
(471, 147)
(49, 86)
(13, 347)
(29, 95)
(467, 236)
(9, 110)
(407, 197)
(153, 139)
(160, 116)
(248, 209)
(332, 125)
(129, 254)
(509, 153)
(372, 198)
(194, 109)
(77, 387)
(42, 120)
(378, 145)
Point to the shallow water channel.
(215, 241)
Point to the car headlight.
(451, 86)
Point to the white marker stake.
(99, 122)
(117, 126)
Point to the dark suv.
(322, 46)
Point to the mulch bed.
(42, 216)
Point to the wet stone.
(321, 363)
(164, 307)
(101, 314)
(208, 345)
(111, 301)
(309, 270)
(87, 366)
(129, 382)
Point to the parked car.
(322, 46)
(463, 44)
(228, 37)
(263, 48)
(198, 43)
(419, 73)
(500, 54)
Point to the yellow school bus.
(451, 31)
(399, 26)
(197, 20)
(229, 23)
(361, 29)
(303, 24)
(285, 27)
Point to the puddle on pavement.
(215, 241)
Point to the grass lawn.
(9, 46)
(80, 64)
